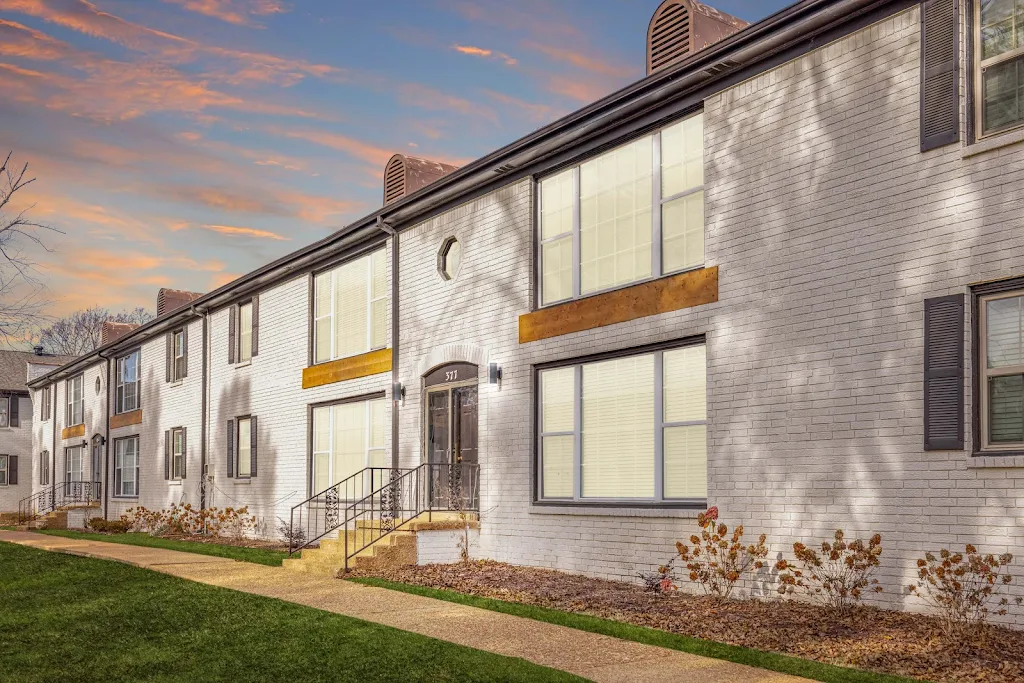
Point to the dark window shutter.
(944, 373)
(255, 325)
(184, 452)
(232, 324)
(231, 449)
(167, 454)
(15, 420)
(940, 73)
(169, 360)
(12, 470)
(252, 446)
(184, 350)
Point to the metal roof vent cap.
(404, 175)
(680, 28)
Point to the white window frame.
(368, 427)
(120, 405)
(69, 388)
(178, 354)
(4, 473)
(657, 209)
(986, 373)
(69, 470)
(659, 426)
(120, 468)
(46, 397)
(247, 420)
(177, 453)
(980, 66)
(370, 301)
(244, 333)
(5, 411)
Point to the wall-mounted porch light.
(494, 374)
(398, 392)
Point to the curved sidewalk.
(599, 658)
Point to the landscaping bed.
(873, 639)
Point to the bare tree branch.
(81, 332)
(21, 300)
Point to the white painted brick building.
(837, 199)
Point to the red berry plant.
(838, 576)
(716, 559)
(963, 586)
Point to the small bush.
(185, 520)
(660, 581)
(293, 537)
(963, 586)
(718, 560)
(107, 526)
(838, 576)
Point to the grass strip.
(271, 558)
(817, 671)
(67, 618)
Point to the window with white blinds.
(347, 437)
(631, 214)
(632, 428)
(351, 308)
(1002, 369)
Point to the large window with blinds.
(347, 438)
(1001, 337)
(629, 428)
(999, 60)
(351, 308)
(631, 214)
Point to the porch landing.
(596, 657)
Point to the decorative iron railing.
(55, 497)
(392, 497)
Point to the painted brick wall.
(18, 441)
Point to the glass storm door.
(97, 462)
(452, 410)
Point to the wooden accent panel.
(371, 363)
(125, 419)
(72, 432)
(673, 293)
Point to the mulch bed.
(230, 540)
(874, 639)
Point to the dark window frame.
(118, 482)
(975, 101)
(238, 431)
(68, 410)
(6, 424)
(535, 459)
(310, 407)
(978, 292)
(179, 374)
(45, 408)
(6, 469)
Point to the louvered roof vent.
(680, 28)
(404, 175)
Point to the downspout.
(53, 438)
(395, 398)
(106, 443)
(204, 422)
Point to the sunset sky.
(182, 143)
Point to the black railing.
(378, 500)
(54, 497)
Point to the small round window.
(450, 258)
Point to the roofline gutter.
(797, 23)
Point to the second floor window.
(5, 411)
(44, 411)
(351, 308)
(128, 383)
(631, 214)
(245, 332)
(75, 413)
(1000, 62)
(179, 358)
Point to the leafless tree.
(21, 291)
(80, 332)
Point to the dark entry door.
(452, 443)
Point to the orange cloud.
(576, 89)
(583, 61)
(426, 97)
(483, 52)
(233, 11)
(539, 113)
(373, 155)
(250, 232)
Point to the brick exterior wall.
(18, 441)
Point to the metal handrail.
(54, 497)
(320, 514)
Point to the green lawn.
(764, 660)
(255, 555)
(65, 618)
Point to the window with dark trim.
(998, 65)
(348, 436)
(127, 391)
(75, 395)
(350, 308)
(631, 214)
(179, 356)
(5, 411)
(44, 468)
(44, 412)
(126, 467)
(4, 473)
(999, 363)
(626, 428)
(178, 453)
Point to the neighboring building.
(16, 422)
(783, 274)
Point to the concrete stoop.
(396, 549)
(58, 519)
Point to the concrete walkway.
(599, 658)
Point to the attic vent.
(668, 38)
(394, 179)
(504, 168)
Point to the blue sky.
(182, 143)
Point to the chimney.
(168, 300)
(111, 331)
(404, 175)
(680, 28)
(37, 349)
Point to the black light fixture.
(398, 391)
(494, 374)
